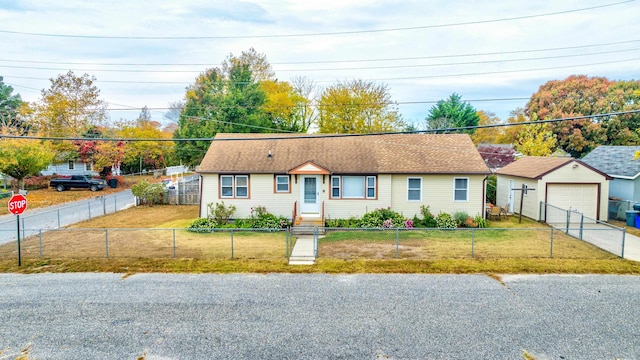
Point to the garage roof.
(616, 161)
(535, 167)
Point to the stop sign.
(17, 204)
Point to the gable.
(309, 168)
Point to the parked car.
(77, 181)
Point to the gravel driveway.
(282, 316)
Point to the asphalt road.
(281, 316)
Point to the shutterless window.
(242, 186)
(335, 186)
(414, 189)
(282, 183)
(371, 187)
(353, 187)
(71, 164)
(461, 189)
(226, 186)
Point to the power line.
(339, 69)
(308, 136)
(563, 48)
(353, 32)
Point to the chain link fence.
(574, 223)
(216, 244)
(618, 209)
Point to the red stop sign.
(17, 204)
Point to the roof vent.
(270, 155)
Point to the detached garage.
(565, 183)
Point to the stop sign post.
(17, 205)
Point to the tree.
(70, 106)
(452, 113)
(11, 120)
(497, 155)
(536, 140)
(257, 63)
(20, 158)
(285, 107)
(582, 95)
(489, 135)
(358, 106)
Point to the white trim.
(232, 187)
(408, 189)
(287, 183)
(367, 187)
(466, 189)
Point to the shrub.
(36, 182)
(351, 222)
(460, 217)
(261, 219)
(148, 193)
(220, 212)
(445, 221)
(482, 222)
(202, 225)
(378, 219)
(428, 220)
(408, 224)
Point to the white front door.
(309, 194)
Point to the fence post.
(315, 241)
(174, 243)
(58, 218)
(40, 242)
(23, 229)
(473, 240)
(568, 220)
(89, 205)
(286, 239)
(551, 244)
(397, 239)
(115, 203)
(104, 205)
(231, 244)
(581, 225)
(542, 203)
(624, 233)
(106, 242)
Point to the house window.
(414, 189)
(71, 164)
(282, 184)
(335, 187)
(234, 186)
(460, 189)
(371, 187)
(353, 187)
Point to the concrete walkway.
(606, 238)
(303, 252)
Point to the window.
(371, 187)
(353, 187)
(460, 189)
(71, 164)
(335, 187)
(282, 183)
(414, 189)
(234, 186)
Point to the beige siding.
(530, 201)
(438, 194)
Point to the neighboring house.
(618, 162)
(562, 182)
(336, 176)
(71, 167)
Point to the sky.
(495, 54)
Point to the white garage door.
(578, 197)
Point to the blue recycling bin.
(631, 217)
(638, 221)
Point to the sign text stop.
(17, 204)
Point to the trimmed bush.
(202, 225)
(382, 218)
(445, 221)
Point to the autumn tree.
(20, 158)
(452, 113)
(11, 120)
(497, 155)
(488, 135)
(285, 108)
(358, 106)
(580, 95)
(256, 62)
(70, 106)
(536, 140)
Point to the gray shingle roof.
(398, 153)
(615, 161)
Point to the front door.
(310, 194)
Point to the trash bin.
(113, 183)
(636, 207)
(638, 221)
(631, 217)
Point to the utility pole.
(523, 191)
